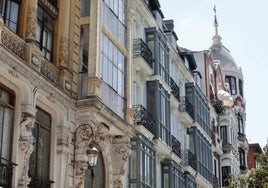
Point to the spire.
(215, 20)
(216, 38)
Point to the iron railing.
(186, 106)
(40, 182)
(176, 146)
(215, 182)
(188, 158)
(175, 89)
(6, 171)
(213, 137)
(140, 48)
(143, 117)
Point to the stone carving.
(64, 52)
(31, 23)
(35, 60)
(11, 41)
(25, 144)
(120, 154)
(86, 134)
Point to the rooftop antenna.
(215, 20)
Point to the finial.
(215, 20)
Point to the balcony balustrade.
(175, 89)
(40, 182)
(13, 43)
(141, 49)
(186, 106)
(176, 146)
(6, 171)
(143, 117)
(188, 158)
(215, 182)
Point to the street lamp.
(92, 155)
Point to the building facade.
(109, 75)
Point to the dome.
(221, 53)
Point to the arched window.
(9, 9)
(232, 83)
(39, 164)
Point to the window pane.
(6, 133)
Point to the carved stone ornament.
(25, 144)
(120, 154)
(64, 52)
(85, 135)
(31, 23)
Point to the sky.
(243, 26)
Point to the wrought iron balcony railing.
(6, 169)
(40, 182)
(215, 182)
(213, 137)
(140, 48)
(186, 106)
(176, 146)
(175, 89)
(143, 117)
(188, 158)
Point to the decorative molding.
(120, 152)
(35, 79)
(31, 23)
(64, 52)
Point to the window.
(232, 84)
(242, 158)
(226, 171)
(113, 74)
(241, 88)
(45, 32)
(158, 104)
(157, 43)
(240, 125)
(203, 153)
(142, 163)
(224, 134)
(9, 10)
(114, 17)
(85, 8)
(172, 175)
(40, 157)
(6, 129)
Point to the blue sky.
(243, 27)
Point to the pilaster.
(94, 37)
(120, 152)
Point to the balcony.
(186, 106)
(13, 42)
(40, 182)
(19, 48)
(143, 117)
(215, 182)
(188, 158)
(176, 146)
(175, 89)
(213, 137)
(6, 171)
(140, 49)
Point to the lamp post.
(92, 154)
